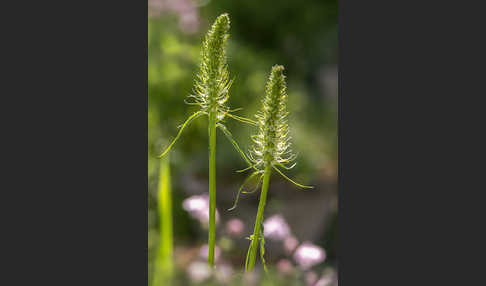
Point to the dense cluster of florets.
(211, 90)
(272, 146)
(213, 83)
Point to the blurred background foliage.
(302, 36)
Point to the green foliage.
(164, 264)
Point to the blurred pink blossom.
(186, 10)
(308, 255)
(203, 252)
(285, 266)
(290, 243)
(196, 203)
(328, 278)
(235, 227)
(223, 273)
(311, 278)
(189, 21)
(198, 271)
(276, 228)
(325, 281)
(250, 278)
(198, 208)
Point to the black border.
(75, 169)
(76, 154)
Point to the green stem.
(164, 263)
(212, 187)
(259, 218)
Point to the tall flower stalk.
(271, 150)
(211, 92)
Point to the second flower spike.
(271, 150)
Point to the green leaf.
(189, 120)
(290, 180)
(242, 119)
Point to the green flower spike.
(271, 150)
(272, 143)
(211, 92)
(211, 89)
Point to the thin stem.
(259, 218)
(164, 264)
(212, 187)
(191, 118)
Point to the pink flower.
(223, 273)
(250, 278)
(328, 278)
(308, 255)
(189, 19)
(310, 278)
(196, 203)
(290, 243)
(198, 208)
(235, 227)
(324, 281)
(276, 228)
(285, 266)
(203, 252)
(198, 271)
